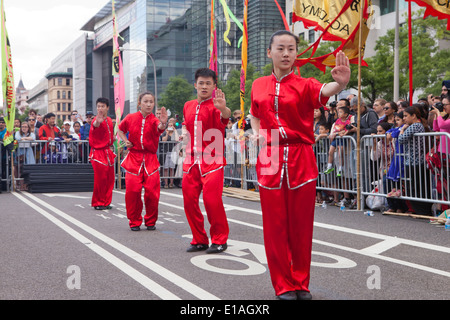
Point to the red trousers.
(133, 201)
(212, 186)
(104, 178)
(288, 217)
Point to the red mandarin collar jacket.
(100, 140)
(144, 134)
(285, 108)
(206, 129)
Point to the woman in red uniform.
(141, 163)
(101, 138)
(282, 112)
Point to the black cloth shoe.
(100, 208)
(303, 295)
(135, 228)
(217, 248)
(197, 247)
(151, 228)
(290, 295)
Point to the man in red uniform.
(101, 138)
(49, 131)
(141, 164)
(282, 112)
(205, 120)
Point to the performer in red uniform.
(282, 112)
(205, 120)
(101, 138)
(141, 163)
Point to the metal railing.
(398, 172)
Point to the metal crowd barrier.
(425, 181)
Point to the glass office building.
(166, 38)
(172, 33)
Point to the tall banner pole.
(9, 94)
(242, 89)
(119, 87)
(358, 132)
(411, 88)
(213, 41)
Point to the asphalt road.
(56, 247)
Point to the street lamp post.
(154, 69)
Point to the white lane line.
(373, 251)
(393, 260)
(382, 246)
(124, 267)
(165, 273)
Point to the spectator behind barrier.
(415, 171)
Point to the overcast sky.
(39, 30)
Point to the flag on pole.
(117, 72)
(338, 21)
(435, 8)
(9, 95)
(213, 42)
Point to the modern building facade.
(166, 38)
(150, 30)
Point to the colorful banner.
(349, 45)
(244, 63)
(228, 21)
(9, 94)
(283, 16)
(338, 16)
(435, 8)
(229, 14)
(244, 58)
(117, 72)
(213, 42)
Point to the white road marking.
(373, 251)
(124, 267)
(167, 274)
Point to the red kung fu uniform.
(287, 172)
(142, 168)
(203, 170)
(102, 159)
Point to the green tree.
(232, 88)
(175, 95)
(430, 63)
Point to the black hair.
(103, 100)
(393, 106)
(49, 115)
(446, 96)
(385, 125)
(281, 33)
(205, 73)
(325, 124)
(346, 101)
(345, 109)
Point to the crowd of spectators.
(397, 160)
(393, 159)
(40, 140)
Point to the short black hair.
(49, 115)
(346, 101)
(103, 100)
(205, 73)
(281, 33)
